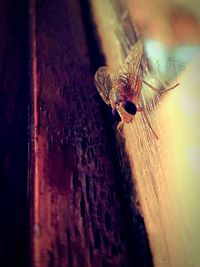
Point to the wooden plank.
(13, 133)
(177, 151)
(164, 176)
(117, 35)
(77, 216)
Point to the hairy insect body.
(118, 93)
(122, 90)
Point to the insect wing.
(132, 67)
(103, 83)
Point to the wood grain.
(164, 170)
(77, 217)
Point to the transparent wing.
(103, 83)
(133, 69)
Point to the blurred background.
(171, 29)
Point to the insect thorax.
(118, 92)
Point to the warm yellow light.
(179, 115)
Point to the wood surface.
(73, 192)
(164, 170)
(79, 215)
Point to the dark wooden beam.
(57, 148)
(77, 215)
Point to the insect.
(122, 90)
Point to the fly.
(122, 90)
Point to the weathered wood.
(139, 141)
(77, 216)
(117, 35)
(172, 188)
(162, 170)
(13, 133)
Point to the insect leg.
(120, 128)
(171, 88)
(160, 91)
(140, 109)
(149, 124)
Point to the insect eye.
(130, 107)
(116, 115)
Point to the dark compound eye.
(116, 115)
(130, 107)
